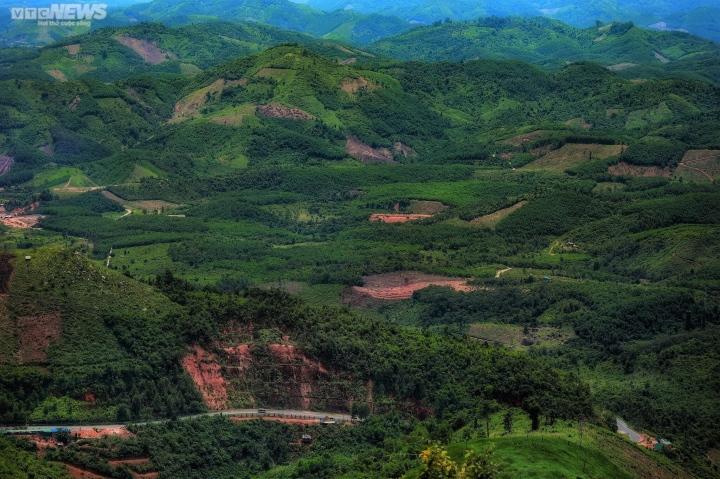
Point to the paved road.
(283, 413)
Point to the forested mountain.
(621, 47)
(116, 53)
(699, 17)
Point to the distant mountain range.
(346, 25)
(621, 47)
(362, 22)
(700, 17)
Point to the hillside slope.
(624, 48)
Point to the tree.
(479, 465)
(437, 464)
(508, 422)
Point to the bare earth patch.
(366, 153)
(423, 207)
(304, 370)
(515, 336)
(404, 150)
(6, 164)
(79, 473)
(525, 138)
(234, 117)
(396, 218)
(626, 169)
(401, 286)
(491, 220)
(354, 85)
(36, 334)
(73, 49)
(57, 74)
(100, 432)
(275, 110)
(573, 154)
(20, 222)
(205, 371)
(700, 165)
(190, 106)
(578, 123)
(618, 67)
(148, 51)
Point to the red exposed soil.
(41, 443)
(149, 51)
(626, 169)
(275, 110)
(78, 473)
(6, 163)
(20, 222)
(396, 218)
(304, 370)
(240, 356)
(37, 333)
(283, 420)
(366, 153)
(205, 371)
(98, 433)
(129, 462)
(402, 285)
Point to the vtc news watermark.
(61, 14)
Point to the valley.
(475, 254)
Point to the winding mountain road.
(256, 413)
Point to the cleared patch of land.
(401, 285)
(190, 105)
(148, 51)
(354, 85)
(492, 220)
(700, 165)
(276, 110)
(235, 116)
(573, 154)
(146, 206)
(626, 169)
(395, 218)
(366, 153)
(515, 336)
(525, 138)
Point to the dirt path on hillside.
(502, 272)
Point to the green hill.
(344, 25)
(623, 48)
(114, 53)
